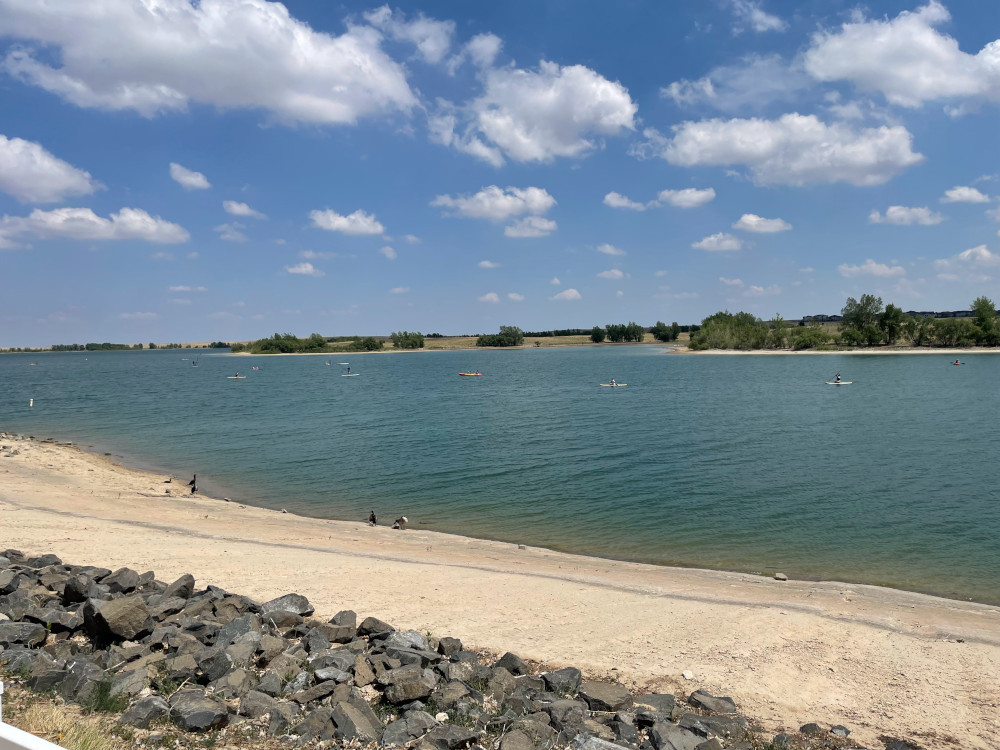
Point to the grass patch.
(101, 700)
(67, 729)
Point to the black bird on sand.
(194, 481)
(372, 520)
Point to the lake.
(746, 463)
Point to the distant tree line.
(407, 339)
(557, 332)
(283, 343)
(508, 336)
(105, 347)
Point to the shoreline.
(876, 659)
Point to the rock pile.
(202, 659)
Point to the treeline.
(283, 343)
(408, 339)
(558, 332)
(865, 323)
(508, 336)
(105, 347)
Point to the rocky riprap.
(204, 659)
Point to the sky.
(225, 169)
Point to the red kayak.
(471, 374)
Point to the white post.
(1, 701)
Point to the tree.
(407, 340)
(891, 322)
(662, 332)
(859, 314)
(984, 312)
(508, 336)
(779, 332)
(597, 335)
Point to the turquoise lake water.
(744, 463)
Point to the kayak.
(842, 382)
(613, 385)
(237, 377)
(471, 374)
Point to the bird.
(400, 523)
(194, 481)
(168, 480)
(372, 520)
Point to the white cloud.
(412, 239)
(488, 264)
(962, 194)
(807, 269)
(974, 257)
(158, 57)
(84, 224)
(792, 150)
(304, 269)
(660, 273)
(555, 281)
(323, 255)
(431, 38)
(241, 209)
(748, 13)
(497, 204)
(357, 223)
(719, 241)
(530, 226)
(870, 268)
(185, 288)
(399, 290)
(388, 252)
(905, 58)
(611, 273)
(491, 297)
(481, 50)
(138, 316)
(754, 83)
(731, 282)
(231, 232)
(33, 175)
(188, 179)
(536, 116)
(754, 223)
(762, 291)
(568, 294)
(617, 200)
(905, 215)
(515, 297)
(610, 250)
(686, 198)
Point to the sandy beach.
(876, 660)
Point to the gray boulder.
(566, 714)
(726, 725)
(145, 711)
(701, 699)
(294, 603)
(516, 740)
(605, 696)
(317, 725)
(448, 646)
(412, 725)
(122, 581)
(255, 704)
(237, 627)
(449, 737)
(194, 711)
(9, 581)
(667, 736)
(351, 723)
(652, 708)
(125, 619)
(372, 626)
(513, 664)
(583, 742)
(406, 639)
(22, 634)
(501, 684)
(346, 618)
(563, 681)
(406, 691)
(183, 588)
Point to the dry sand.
(876, 660)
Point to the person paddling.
(837, 378)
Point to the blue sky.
(177, 171)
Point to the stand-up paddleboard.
(613, 385)
(237, 377)
(842, 382)
(352, 375)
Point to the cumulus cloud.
(33, 175)
(974, 257)
(754, 223)
(431, 38)
(870, 268)
(231, 232)
(530, 226)
(617, 200)
(188, 179)
(185, 288)
(388, 252)
(536, 115)
(497, 204)
(555, 281)
(610, 250)
(762, 291)
(412, 239)
(231, 54)
(514, 296)
(84, 224)
(491, 297)
(754, 83)
(568, 294)
(719, 241)
(488, 264)
(357, 223)
(905, 58)
(731, 282)
(905, 215)
(749, 14)
(304, 269)
(323, 255)
(611, 273)
(481, 50)
(399, 290)
(792, 150)
(686, 198)
(963, 194)
(241, 209)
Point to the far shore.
(880, 661)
